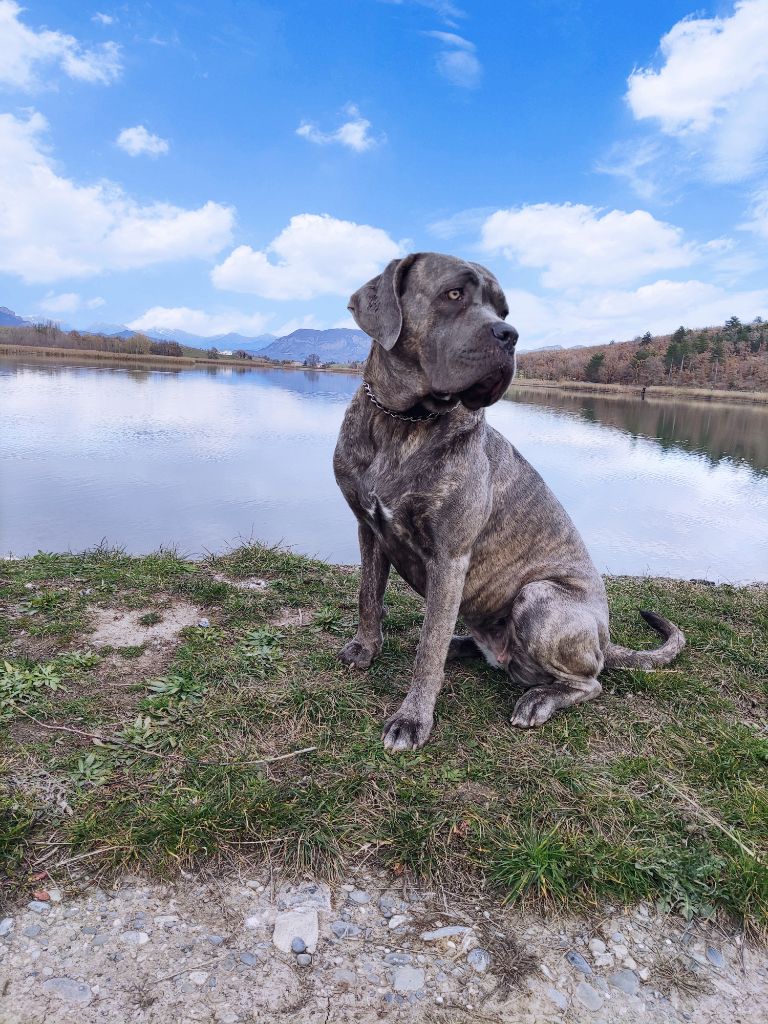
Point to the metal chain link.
(399, 415)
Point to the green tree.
(594, 366)
(647, 338)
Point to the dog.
(456, 509)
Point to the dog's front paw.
(406, 730)
(535, 707)
(356, 654)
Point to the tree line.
(733, 356)
(48, 335)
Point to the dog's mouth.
(487, 390)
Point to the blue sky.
(244, 166)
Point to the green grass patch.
(656, 791)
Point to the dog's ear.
(376, 306)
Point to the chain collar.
(399, 415)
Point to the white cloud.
(575, 245)
(759, 214)
(25, 53)
(68, 302)
(314, 255)
(103, 19)
(52, 228)
(457, 61)
(197, 321)
(712, 89)
(354, 134)
(137, 141)
(594, 317)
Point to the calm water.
(205, 458)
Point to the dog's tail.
(625, 657)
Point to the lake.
(208, 458)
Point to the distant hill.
(219, 341)
(732, 356)
(9, 319)
(336, 345)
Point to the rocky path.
(250, 949)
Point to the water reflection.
(718, 430)
(205, 457)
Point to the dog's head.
(442, 319)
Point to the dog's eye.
(454, 294)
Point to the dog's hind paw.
(405, 731)
(356, 654)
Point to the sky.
(245, 166)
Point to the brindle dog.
(458, 512)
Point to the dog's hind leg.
(374, 572)
(558, 639)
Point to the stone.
(38, 907)
(6, 926)
(198, 977)
(68, 990)
(597, 947)
(134, 938)
(448, 932)
(397, 921)
(577, 960)
(715, 957)
(305, 896)
(342, 976)
(55, 896)
(479, 959)
(407, 979)
(292, 924)
(605, 960)
(620, 950)
(215, 940)
(588, 996)
(557, 997)
(345, 930)
(304, 960)
(204, 623)
(32, 931)
(359, 896)
(627, 981)
(166, 920)
(298, 945)
(398, 959)
(248, 958)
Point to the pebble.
(248, 958)
(134, 938)
(557, 997)
(215, 940)
(577, 960)
(597, 946)
(398, 959)
(345, 930)
(479, 959)
(298, 945)
(588, 996)
(198, 977)
(627, 981)
(32, 931)
(38, 907)
(715, 957)
(397, 921)
(444, 933)
(304, 960)
(69, 990)
(203, 622)
(344, 977)
(360, 896)
(407, 979)
(6, 926)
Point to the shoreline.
(652, 391)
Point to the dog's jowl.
(458, 512)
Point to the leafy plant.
(92, 769)
(261, 652)
(21, 686)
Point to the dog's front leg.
(374, 571)
(410, 726)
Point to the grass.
(657, 791)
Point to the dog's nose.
(504, 333)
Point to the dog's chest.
(390, 501)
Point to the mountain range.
(335, 345)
